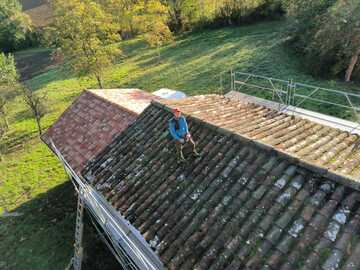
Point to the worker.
(179, 131)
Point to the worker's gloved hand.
(182, 140)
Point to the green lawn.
(32, 181)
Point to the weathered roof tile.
(312, 142)
(353, 262)
(90, 123)
(238, 206)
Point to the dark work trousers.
(179, 146)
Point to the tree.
(152, 17)
(347, 15)
(235, 12)
(14, 25)
(86, 35)
(8, 83)
(301, 16)
(157, 35)
(328, 34)
(336, 39)
(185, 14)
(36, 104)
(122, 14)
(176, 14)
(355, 56)
(3, 114)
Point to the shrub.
(327, 34)
(235, 12)
(14, 25)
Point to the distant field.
(38, 10)
(29, 4)
(193, 63)
(41, 16)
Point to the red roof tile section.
(133, 100)
(90, 123)
(325, 147)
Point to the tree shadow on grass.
(33, 62)
(58, 73)
(132, 47)
(23, 115)
(42, 236)
(197, 70)
(195, 62)
(199, 44)
(37, 68)
(15, 141)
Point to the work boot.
(181, 160)
(196, 153)
(181, 157)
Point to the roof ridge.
(111, 102)
(317, 169)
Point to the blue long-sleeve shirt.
(178, 132)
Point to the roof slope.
(90, 123)
(316, 117)
(326, 147)
(237, 206)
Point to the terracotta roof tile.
(239, 205)
(320, 145)
(92, 121)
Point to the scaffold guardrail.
(290, 93)
(130, 248)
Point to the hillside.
(33, 62)
(32, 180)
(29, 4)
(39, 11)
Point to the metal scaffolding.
(290, 93)
(79, 230)
(125, 242)
(299, 98)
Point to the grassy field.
(33, 62)
(32, 181)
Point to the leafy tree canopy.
(86, 35)
(327, 32)
(8, 73)
(151, 18)
(8, 86)
(14, 25)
